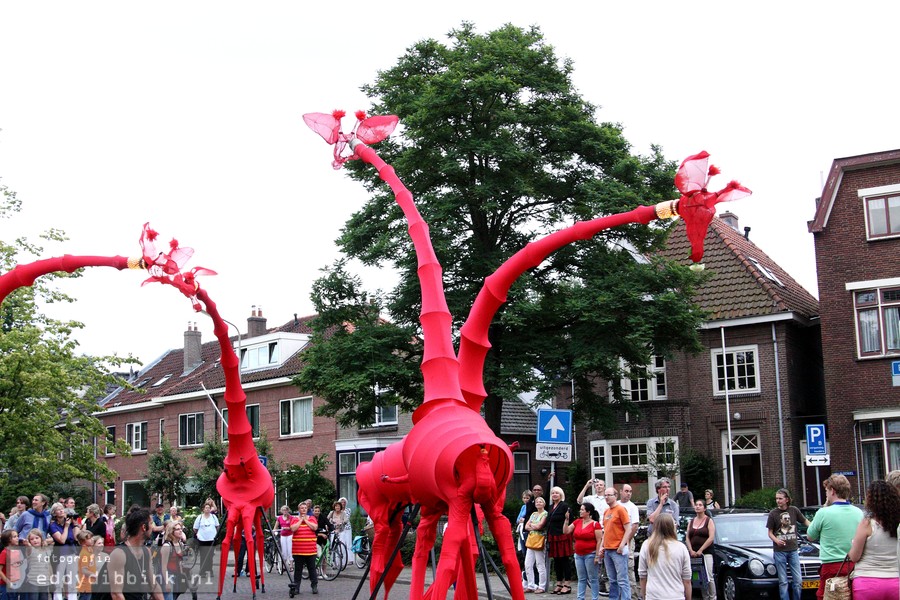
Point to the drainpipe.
(728, 419)
(859, 473)
(575, 437)
(780, 414)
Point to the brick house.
(768, 380)
(856, 229)
(179, 396)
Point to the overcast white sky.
(188, 115)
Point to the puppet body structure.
(245, 485)
(451, 461)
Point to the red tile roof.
(208, 374)
(740, 287)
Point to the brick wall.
(844, 255)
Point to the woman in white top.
(664, 566)
(206, 526)
(874, 547)
(533, 557)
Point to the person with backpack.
(206, 526)
(171, 553)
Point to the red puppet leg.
(426, 533)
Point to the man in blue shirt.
(661, 503)
(36, 517)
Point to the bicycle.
(362, 551)
(331, 560)
(272, 556)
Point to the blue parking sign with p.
(815, 439)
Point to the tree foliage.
(211, 457)
(498, 149)
(306, 481)
(48, 392)
(167, 472)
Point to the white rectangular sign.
(818, 460)
(554, 452)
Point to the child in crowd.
(11, 560)
(39, 572)
(87, 565)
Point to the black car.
(742, 558)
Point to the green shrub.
(763, 498)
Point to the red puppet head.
(697, 205)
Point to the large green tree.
(48, 391)
(167, 472)
(498, 149)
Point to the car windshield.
(742, 529)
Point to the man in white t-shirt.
(635, 519)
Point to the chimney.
(191, 347)
(730, 219)
(256, 323)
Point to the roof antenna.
(746, 233)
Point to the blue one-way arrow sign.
(554, 426)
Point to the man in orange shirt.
(615, 545)
(304, 547)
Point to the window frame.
(254, 431)
(292, 432)
(649, 385)
(184, 427)
(892, 230)
(734, 351)
(136, 429)
(880, 305)
(249, 356)
(109, 448)
(380, 420)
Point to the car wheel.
(729, 587)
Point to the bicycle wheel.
(330, 565)
(281, 566)
(361, 558)
(270, 556)
(341, 556)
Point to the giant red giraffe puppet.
(458, 460)
(245, 485)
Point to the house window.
(637, 462)
(190, 429)
(297, 416)
(883, 215)
(736, 369)
(879, 445)
(598, 458)
(385, 415)
(136, 436)
(878, 321)
(652, 388)
(162, 431)
(255, 357)
(110, 440)
(628, 454)
(252, 416)
(110, 495)
(521, 472)
(347, 464)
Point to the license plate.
(813, 584)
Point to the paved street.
(343, 587)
